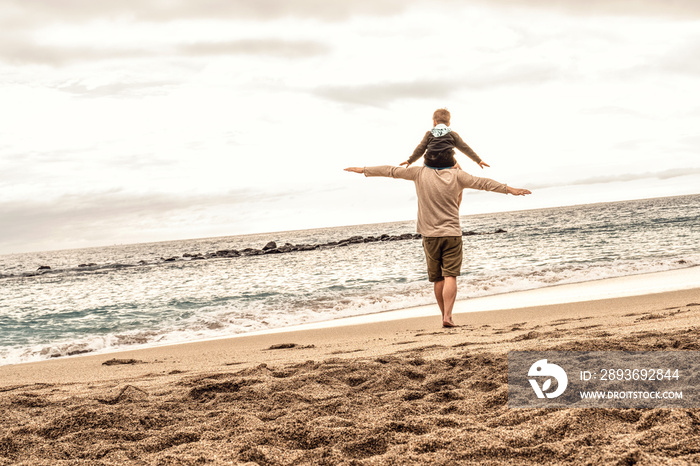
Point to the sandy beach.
(404, 391)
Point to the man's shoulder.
(445, 173)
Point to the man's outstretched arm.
(486, 184)
(388, 171)
(355, 169)
(517, 191)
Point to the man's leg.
(449, 295)
(444, 257)
(438, 287)
(451, 266)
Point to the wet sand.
(404, 391)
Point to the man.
(439, 195)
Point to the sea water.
(131, 297)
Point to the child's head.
(441, 115)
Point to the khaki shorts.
(444, 257)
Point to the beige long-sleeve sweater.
(438, 195)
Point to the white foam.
(634, 285)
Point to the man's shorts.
(444, 257)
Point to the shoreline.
(379, 328)
(615, 287)
(403, 391)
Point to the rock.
(115, 361)
(469, 233)
(43, 267)
(272, 248)
(227, 253)
(500, 230)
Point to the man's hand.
(517, 191)
(407, 163)
(483, 164)
(355, 169)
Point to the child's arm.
(418, 152)
(466, 150)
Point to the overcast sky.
(128, 121)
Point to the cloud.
(603, 179)
(270, 47)
(612, 110)
(20, 50)
(682, 60)
(21, 14)
(678, 9)
(23, 51)
(691, 143)
(379, 95)
(119, 89)
(74, 216)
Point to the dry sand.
(398, 392)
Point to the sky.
(151, 120)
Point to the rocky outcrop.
(270, 248)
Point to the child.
(437, 147)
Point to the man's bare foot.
(449, 324)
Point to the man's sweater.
(439, 195)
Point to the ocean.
(139, 295)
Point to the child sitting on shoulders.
(437, 146)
